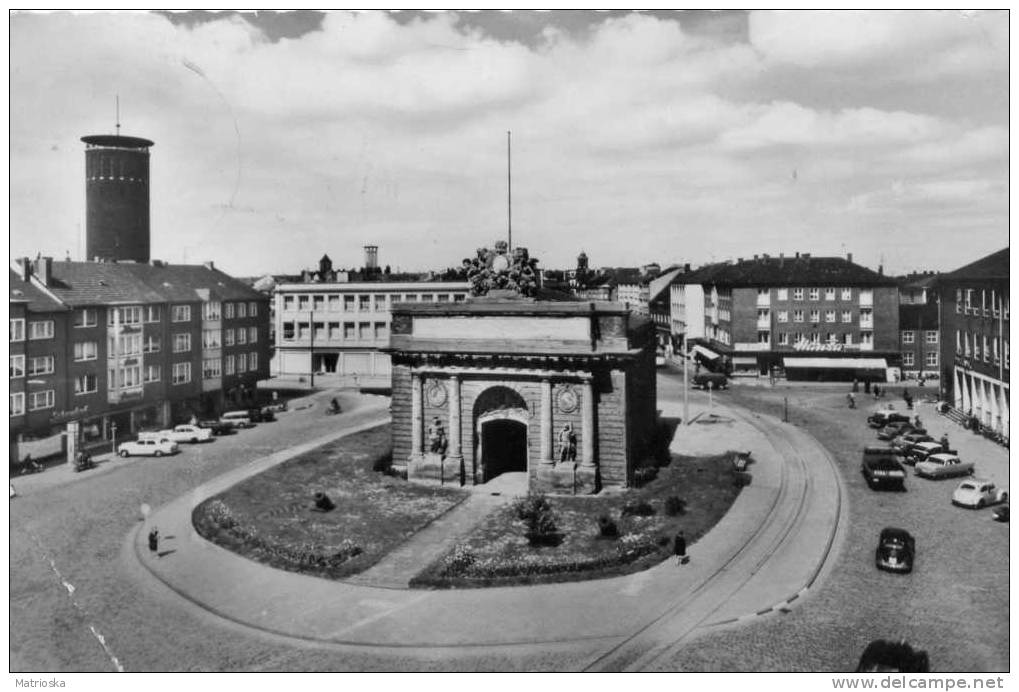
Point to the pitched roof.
(787, 271)
(35, 299)
(94, 283)
(993, 266)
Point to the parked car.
(882, 656)
(714, 380)
(187, 433)
(216, 427)
(261, 415)
(906, 442)
(943, 466)
(659, 361)
(896, 428)
(150, 447)
(157, 435)
(896, 550)
(1000, 513)
(978, 493)
(922, 450)
(238, 419)
(881, 469)
(277, 406)
(880, 419)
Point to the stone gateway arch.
(561, 390)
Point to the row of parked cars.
(883, 467)
(158, 443)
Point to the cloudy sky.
(669, 137)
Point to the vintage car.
(978, 493)
(896, 428)
(238, 419)
(262, 415)
(881, 469)
(1000, 513)
(905, 442)
(896, 550)
(922, 450)
(710, 380)
(882, 656)
(880, 419)
(216, 427)
(187, 433)
(943, 465)
(151, 447)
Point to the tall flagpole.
(509, 192)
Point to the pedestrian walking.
(944, 442)
(154, 540)
(877, 391)
(851, 398)
(916, 422)
(680, 548)
(856, 385)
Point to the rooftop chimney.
(849, 257)
(24, 268)
(756, 257)
(44, 270)
(209, 265)
(371, 257)
(880, 270)
(797, 255)
(686, 267)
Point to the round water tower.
(116, 197)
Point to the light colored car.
(943, 466)
(150, 447)
(978, 493)
(904, 443)
(238, 419)
(187, 433)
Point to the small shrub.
(645, 475)
(642, 508)
(459, 561)
(607, 528)
(742, 479)
(383, 464)
(529, 506)
(674, 506)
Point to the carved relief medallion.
(435, 394)
(567, 400)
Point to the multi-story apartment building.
(39, 362)
(975, 342)
(129, 345)
(813, 317)
(340, 328)
(919, 328)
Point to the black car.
(261, 415)
(899, 427)
(216, 427)
(880, 419)
(710, 380)
(881, 469)
(896, 550)
(883, 656)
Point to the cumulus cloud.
(638, 127)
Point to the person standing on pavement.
(154, 540)
(680, 548)
(944, 442)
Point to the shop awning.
(839, 363)
(744, 360)
(710, 355)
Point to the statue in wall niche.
(567, 443)
(437, 441)
(497, 269)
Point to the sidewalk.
(605, 610)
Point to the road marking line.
(81, 609)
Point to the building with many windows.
(340, 328)
(116, 347)
(975, 344)
(812, 317)
(919, 328)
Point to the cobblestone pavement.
(955, 604)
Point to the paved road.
(955, 604)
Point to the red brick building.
(127, 346)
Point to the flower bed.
(272, 517)
(691, 494)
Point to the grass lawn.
(498, 553)
(270, 517)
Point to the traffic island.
(691, 495)
(278, 518)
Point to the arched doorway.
(501, 419)
(503, 447)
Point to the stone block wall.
(401, 414)
(610, 427)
